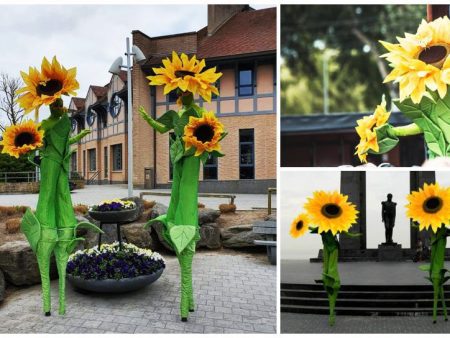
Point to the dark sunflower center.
(23, 138)
(204, 133)
(299, 225)
(433, 55)
(49, 88)
(183, 73)
(331, 210)
(432, 205)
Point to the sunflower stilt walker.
(52, 228)
(197, 136)
(430, 208)
(421, 67)
(328, 214)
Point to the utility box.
(148, 178)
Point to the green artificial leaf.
(168, 119)
(314, 230)
(31, 228)
(181, 236)
(386, 140)
(433, 135)
(204, 157)
(225, 133)
(413, 110)
(89, 225)
(445, 280)
(329, 241)
(189, 152)
(176, 150)
(73, 244)
(181, 121)
(217, 153)
(425, 267)
(161, 218)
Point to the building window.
(245, 80)
(246, 154)
(210, 168)
(171, 139)
(117, 157)
(73, 162)
(172, 96)
(105, 159)
(92, 154)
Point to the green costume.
(181, 230)
(436, 269)
(52, 228)
(330, 273)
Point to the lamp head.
(116, 66)
(138, 54)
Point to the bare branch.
(8, 96)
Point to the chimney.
(219, 14)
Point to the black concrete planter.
(113, 285)
(114, 216)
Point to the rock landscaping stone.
(19, 264)
(239, 236)
(136, 234)
(2, 286)
(207, 216)
(210, 236)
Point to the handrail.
(17, 176)
(93, 177)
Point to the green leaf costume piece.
(181, 228)
(52, 229)
(436, 271)
(330, 273)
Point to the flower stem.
(408, 130)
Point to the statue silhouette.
(388, 217)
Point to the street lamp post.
(115, 69)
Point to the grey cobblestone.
(234, 293)
(307, 323)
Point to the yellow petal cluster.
(421, 61)
(186, 74)
(367, 133)
(22, 138)
(430, 206)
(299, 226)
(203, 133)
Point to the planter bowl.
(115, 216)
(113, 285)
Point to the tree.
(353, 31)
(8, 105)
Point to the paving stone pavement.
(308, 323)
(235, 293)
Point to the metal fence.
(17, 176)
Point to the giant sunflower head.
(430, 206)
(421, 61)
(203, 133)
(186, 74)
(299, 225)
(46, 86)
(330, 211)
(22, 138)
(367, 133)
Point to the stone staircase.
(361, 300)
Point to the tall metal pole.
(325, 83)
(130, 122)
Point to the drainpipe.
(153, 114)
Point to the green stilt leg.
(330, 273)
(45, 250)
(436, 269)
(444, 305)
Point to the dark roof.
(247, 32)
(99, 91)
(330, 123)
(79, 102)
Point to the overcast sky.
(89, 37)
(297, 186)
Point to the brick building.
(241, 43)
